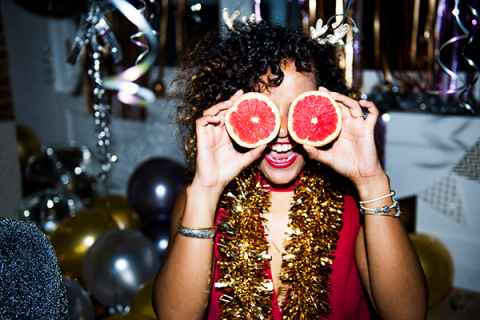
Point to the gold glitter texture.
(315, 219)
(315, 223)
(242, 245)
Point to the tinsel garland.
(243, 247)
(315, 220)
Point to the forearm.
(397, 284)
(183, 284)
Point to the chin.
(282, 174)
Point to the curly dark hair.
(224, 62)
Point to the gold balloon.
(142, 300)
(437, 264)
(75, 235)
(27, 144)
(129, 316)
(120, 211)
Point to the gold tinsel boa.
(315, 220)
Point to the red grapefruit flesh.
(253, 120)
(314, 119)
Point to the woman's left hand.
(353, 154)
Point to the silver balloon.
(80, 305)
(117, 264)
(49, 207)
(45, 167)
(69, 167)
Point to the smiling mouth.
(281, 154)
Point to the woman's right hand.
(217, 160)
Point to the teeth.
(280, 161)
(282, 147)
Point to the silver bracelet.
(391, 194)
(199, 233)
(382, 211)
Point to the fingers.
(372, 111)
(236, 95)
(318, 155)
(206, 120)
(254, 154)
(355, 107)
(222, 106)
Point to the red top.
(347, 297)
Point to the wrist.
(201, 205)
(373, 187)
(206, 186)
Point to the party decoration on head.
(230, 19)
(339, 31)
(117, 264)
(153, 188)
(316, 33)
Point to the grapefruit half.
(314, 119)
(253, 120)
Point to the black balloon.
(153, 188)
(158, 231)
(80, 305)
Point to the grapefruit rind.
(329, 124)
(235, 121)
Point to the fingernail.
(228, 102)
(332, 93)
(323, 89)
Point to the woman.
(289, 238)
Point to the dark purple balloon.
(158, 231)
(153, 188)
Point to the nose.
(283, 133)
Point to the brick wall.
(6, 104)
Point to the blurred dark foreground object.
(31, 285)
